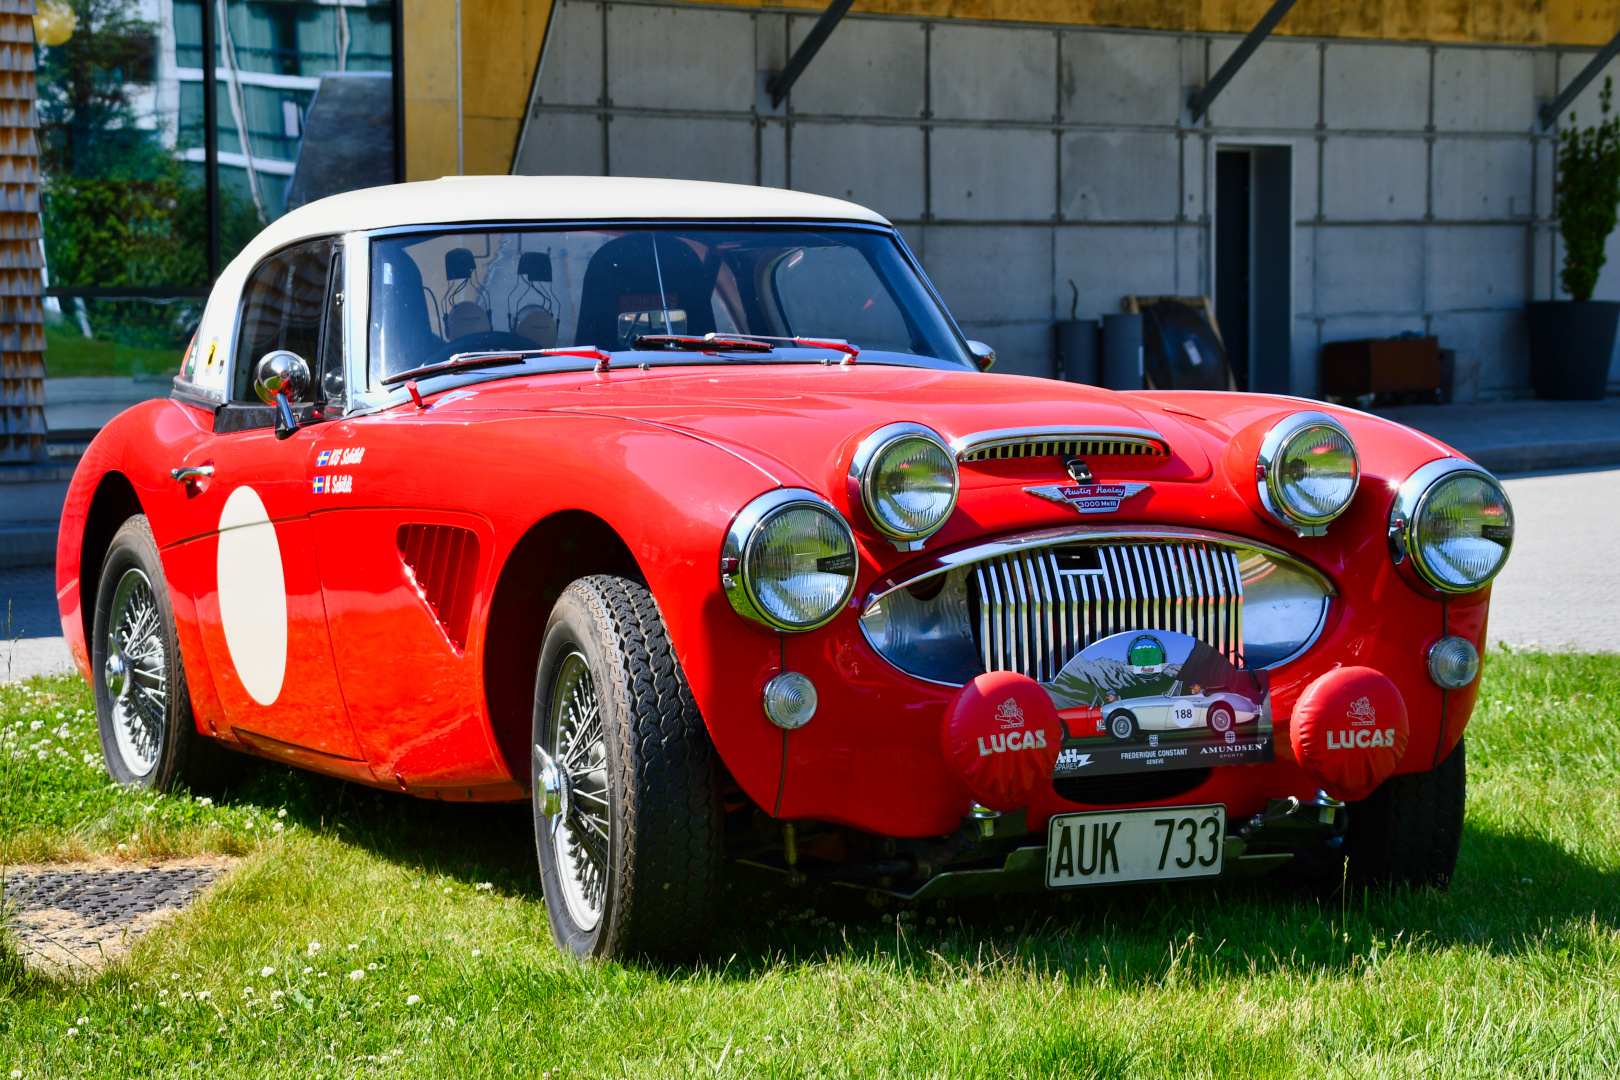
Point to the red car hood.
(804, 416)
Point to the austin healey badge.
(1088, 498)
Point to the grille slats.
(1034, 617)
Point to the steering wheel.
(483, 341)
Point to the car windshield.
(436, 295)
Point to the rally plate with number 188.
(1160, 844)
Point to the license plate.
(1111, 846)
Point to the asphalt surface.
(1561, 588)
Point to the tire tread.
(1408, 832)
(670, 848)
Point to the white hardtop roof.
(456, 199)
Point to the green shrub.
(1588, 194)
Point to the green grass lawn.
(366, 933)
(69, 353)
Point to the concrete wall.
(1018, 159)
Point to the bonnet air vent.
(1060, 442)
(443, 564)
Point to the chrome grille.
(1035, 615)
(1063, 447)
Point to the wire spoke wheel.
(137, 672)
(579, 832)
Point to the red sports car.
(687, 512)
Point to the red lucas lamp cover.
(1001, 734)
(1349, 731)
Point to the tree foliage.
(119, 208)
(1588, 193)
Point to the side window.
(328, 374)
(282, 307)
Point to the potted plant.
(1572, 341)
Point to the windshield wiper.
(470, 361)
(708, 343)
(754, 343)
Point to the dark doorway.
(1254, 252)
(1233, 199)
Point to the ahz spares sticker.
(1155, 699)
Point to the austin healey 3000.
(687, 513)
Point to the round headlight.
(1455, 523)
(906, 479)
(789, 561)
(1307, 471)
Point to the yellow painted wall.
(500, 45)
(501, 42)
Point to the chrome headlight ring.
(1270, 476)
(866, 470)
(740, 549)
(1412, 502)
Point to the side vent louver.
(443, 564)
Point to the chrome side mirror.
(280, 377)
(983, 355)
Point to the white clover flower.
(174, 975)
(73, 1031)
(84, 1019)
(414, 999)
(205, 801)
(266, 972)
(204, 995)
(314, 947)
(357, 975)
(371, 966)
(484, 886)
(123, 847)
(249, 825)
(282, 812)
(277, 827)
(247, 991)
(16, 1074)
(353, 946)
(478, 952)
(307, 970)
(276, 993)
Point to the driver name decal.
(332, 485)
(347, 455)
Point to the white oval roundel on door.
(252, 595)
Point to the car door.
(252, 561)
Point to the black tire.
(1122, 725)
(657, 891)
(149, 738)
(1407, 833)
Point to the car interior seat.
(623, 277)
(466, 303)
